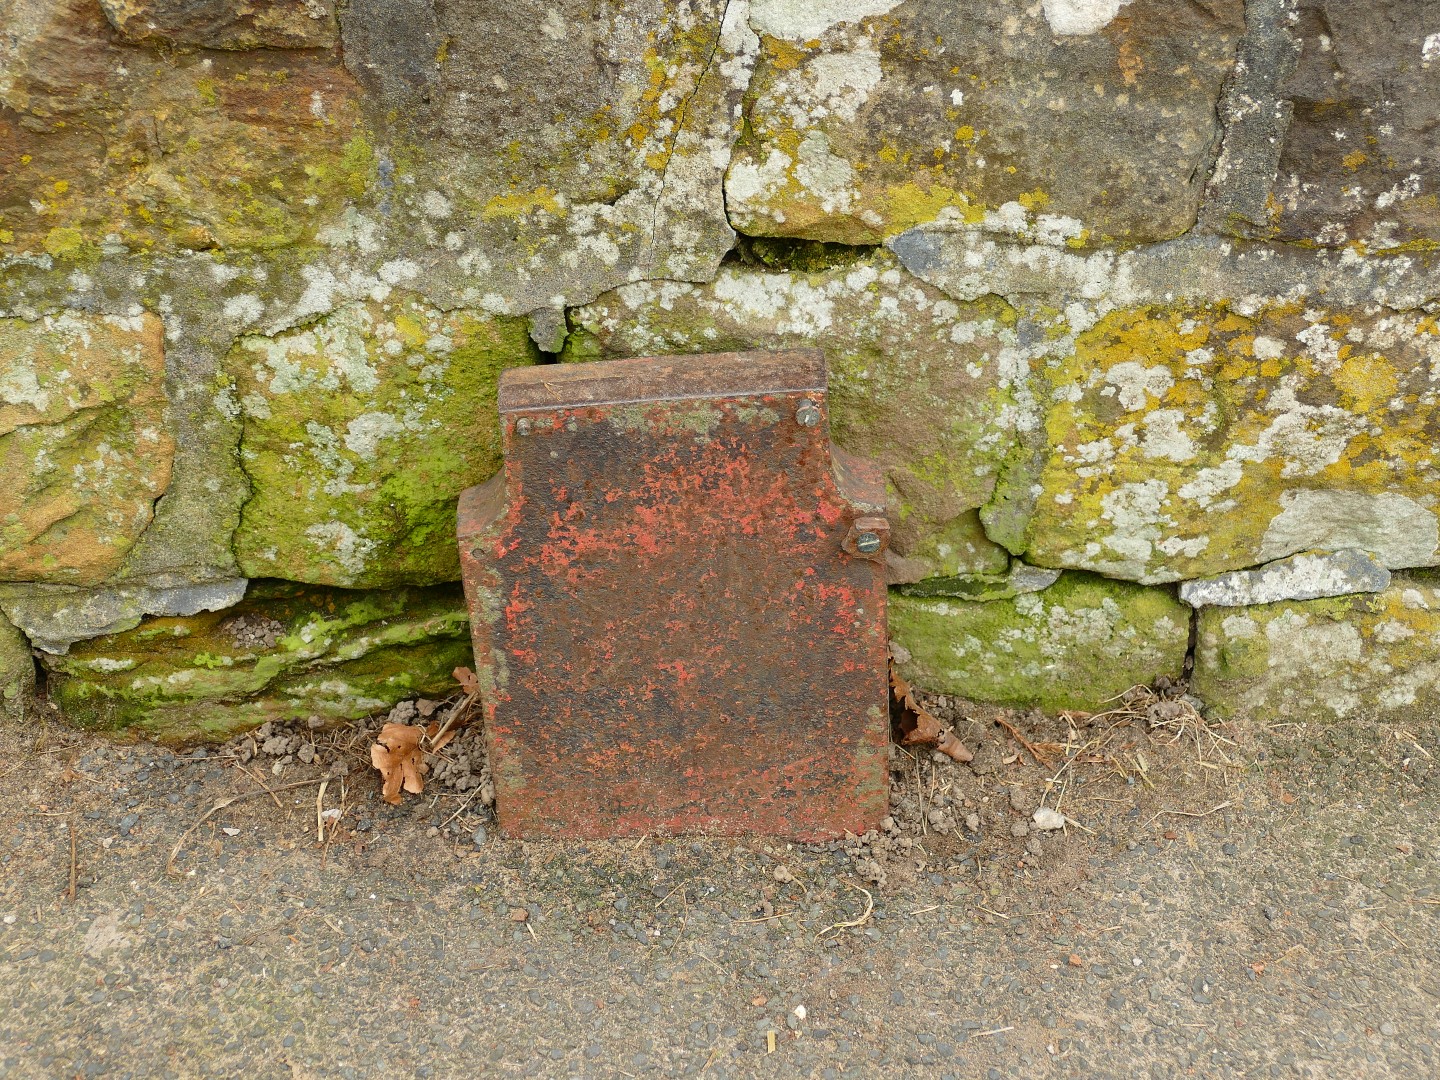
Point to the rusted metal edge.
(480, 507)
(661, 378)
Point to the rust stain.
(674, 623)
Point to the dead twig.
(861, 921)
(767, 918)
(223, 803)
(1187, 813)
(74, 865)
(320, 812)
(256, 777)
(1034, 750)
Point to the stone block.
(17, 671)
(107, 145)
(1360, 165)
(360, 430)
(1371, 655)
(1093, 122)
(564, 147)
(225, 24)
(1187, 441)
(286, 652)
(1310, 576)
(54, 617)
(85, 445)
(1075, 645)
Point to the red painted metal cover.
(677, 596)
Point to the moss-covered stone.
(85, 445)
(1367, 655)
(1186, 441)
(918, 382)
(864, 120)
(335, 654)
(17, 670)
(1075, 645)
(360, 432)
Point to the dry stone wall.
(1137, 302)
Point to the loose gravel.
(1277, 918)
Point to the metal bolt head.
(522, 426)
(867, 543)
(807, 415)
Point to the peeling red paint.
(662, 599)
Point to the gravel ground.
(1291, 932)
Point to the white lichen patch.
(1077, 17)
(803, 20)
(1189, 441)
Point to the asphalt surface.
(1290, 932)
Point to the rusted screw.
(867, 543)
(522, 426)
(807, 415)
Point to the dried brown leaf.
(467, 680)
(918, 727)
(397, 755)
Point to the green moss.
(1083, 640)
(339, 655)
(789, 253)
(360, 432)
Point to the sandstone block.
(1094, 122)
(1360, 165)
(285, 652)
(359, 433)
(1189, 441)
(1308, 660)
(85, 446)
(1075, 645)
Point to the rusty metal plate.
(677, 592)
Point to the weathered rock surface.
(360, 432)
(225, 24)
(54, 617)
(1360, 163)
(556, 147)
(17, 671)
(1019, 579)
(1318, 660)
(1089, 122)
(1301, 577)
(1074, 645)
(84, 443)
(1186, 441)
(108, 145)
(920, 383)
(285, 652)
